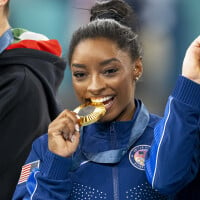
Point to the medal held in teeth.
(90, 112)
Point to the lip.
(109, 104)
(107, 101)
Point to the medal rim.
(99, 111)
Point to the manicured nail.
(78, 116)
(77, 127)
(72, 138)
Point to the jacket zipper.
(115, 168)
(115, 183)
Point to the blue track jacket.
(109, 163)
(173, 163)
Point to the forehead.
(96, 44)
(98, 48)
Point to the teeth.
(101, 100)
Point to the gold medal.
(90, 112)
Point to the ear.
(137, 69)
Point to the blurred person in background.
(31, 70)
(106, 159)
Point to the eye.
(110, 72)
(79, 75)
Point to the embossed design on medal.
(90, 112)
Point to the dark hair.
(109, 19)
(117, 10)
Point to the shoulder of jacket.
(153, 120)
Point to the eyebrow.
(103, 63)
(78, 65)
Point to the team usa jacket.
(173, 165)
(109, 163)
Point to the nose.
(96, 85)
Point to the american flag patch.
(26, 171)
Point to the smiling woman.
(105, 62)
(107, 75)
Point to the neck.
(127, 113)
(4, 24)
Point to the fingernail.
(78, 116)
(72, 138)
(77, 127)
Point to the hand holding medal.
(64, 130)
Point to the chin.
(107, 118)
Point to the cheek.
(126, 90)
(79, 90)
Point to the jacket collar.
(5, 40)
(108, 142)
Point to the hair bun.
(113, 9)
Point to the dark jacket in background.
(29, 79)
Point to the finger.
(70, 127)
(67, 128)
(77, 127)
(67, 113)
(197, 42)
(64, 125)
(75, 138)
(57, 125)
(68, 116)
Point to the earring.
(138, 77)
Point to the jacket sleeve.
(48, 179)
(174, 158)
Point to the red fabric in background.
(52, 46)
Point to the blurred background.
(167, 27)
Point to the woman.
(104, 160)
